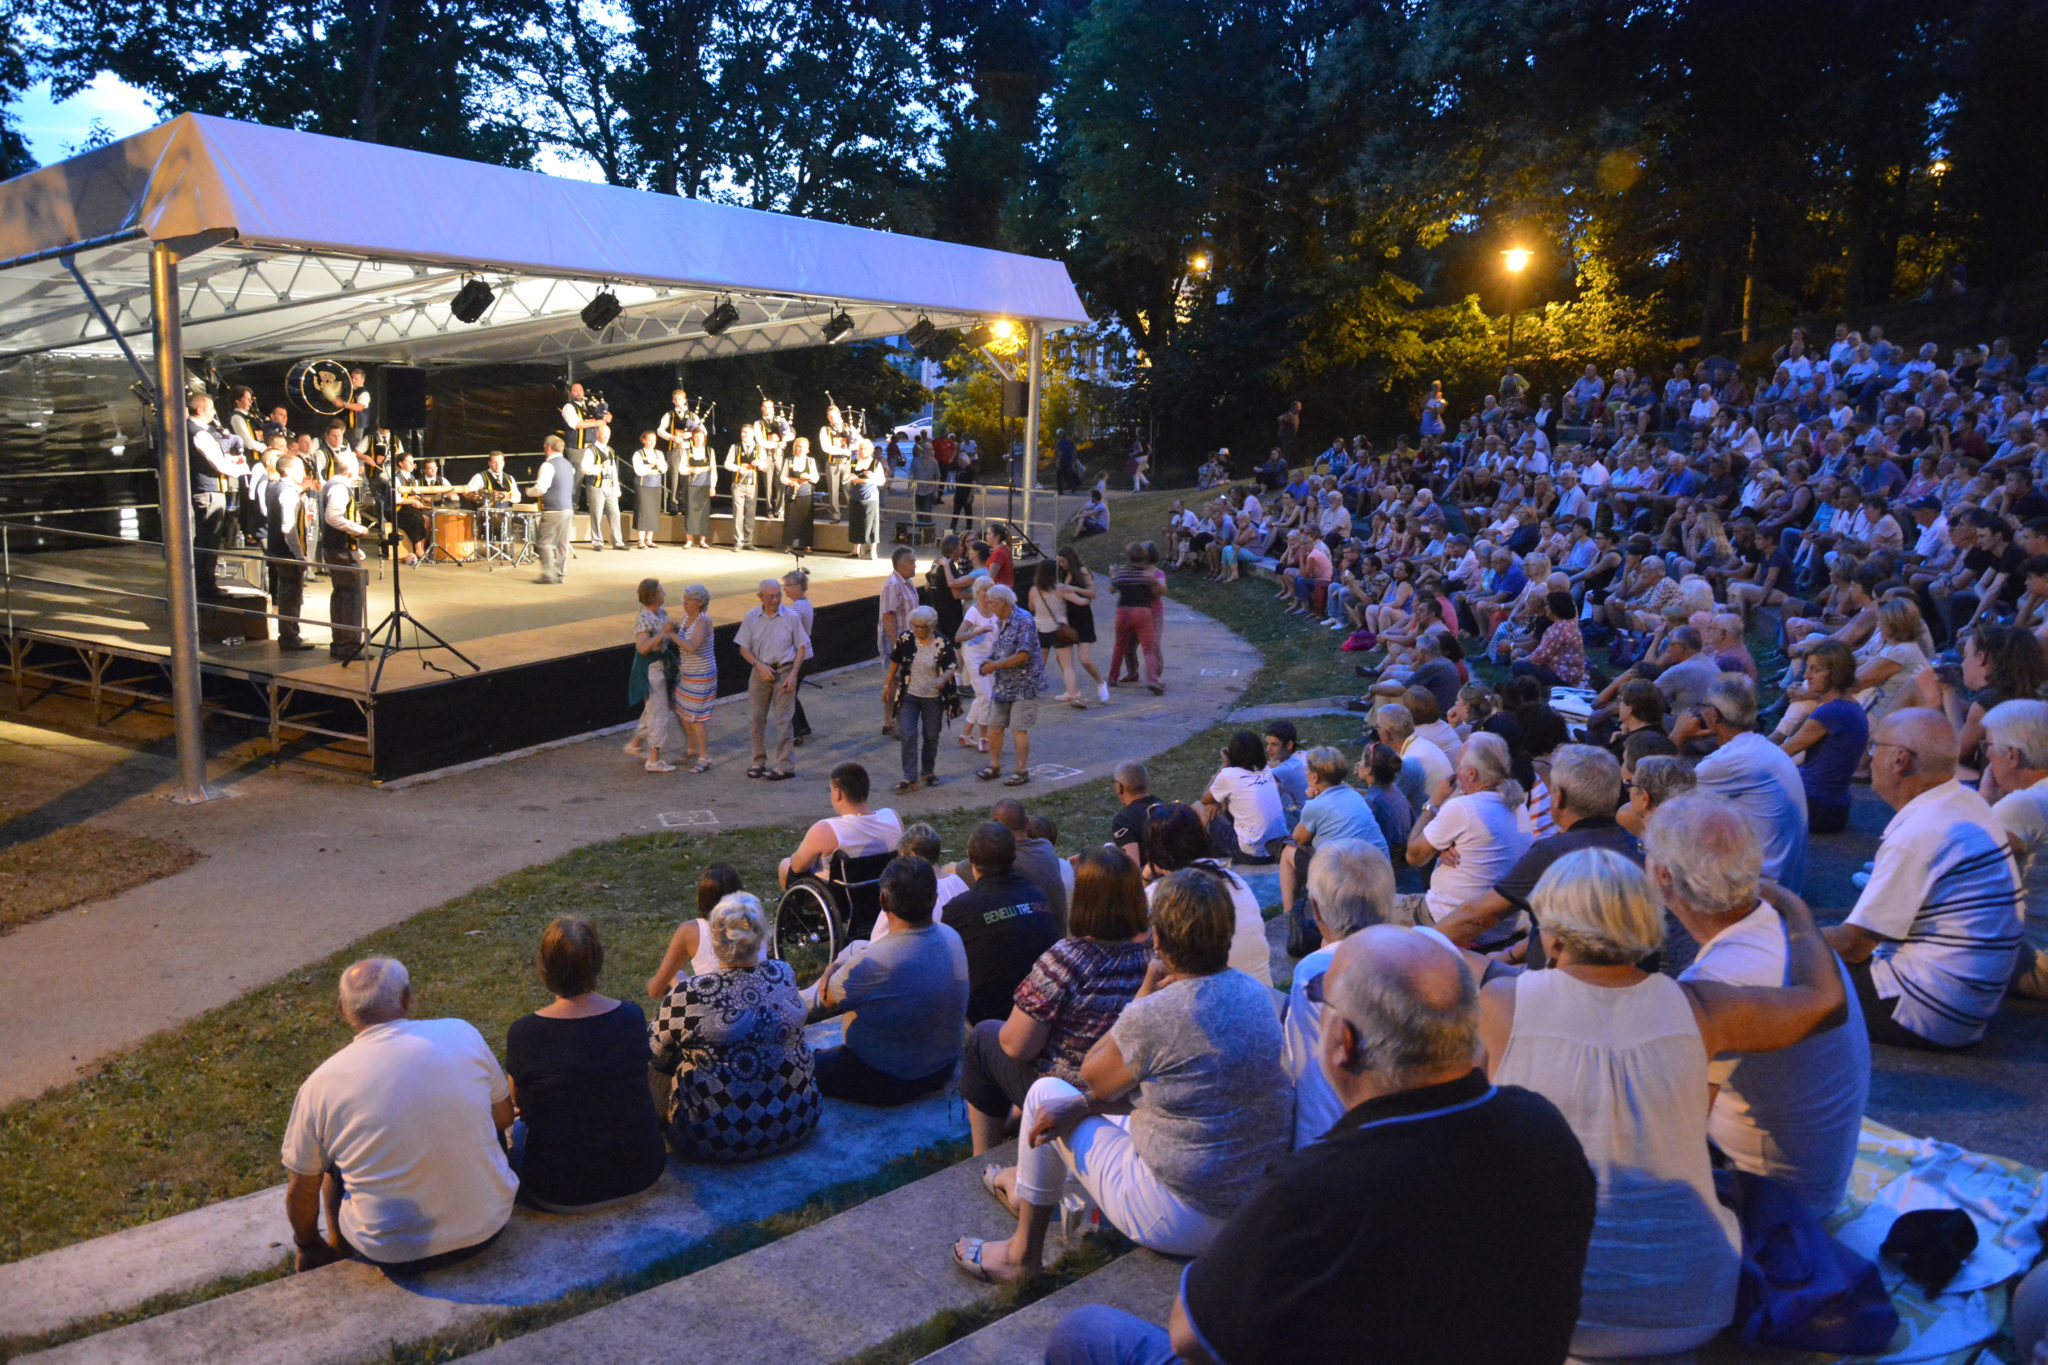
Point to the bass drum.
(319, 386)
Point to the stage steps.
(351, 1313)
(1141, 1282)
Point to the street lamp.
(1516, 259)
(1199, 263)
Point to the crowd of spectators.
(1554, 964)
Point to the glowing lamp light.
(1199, 263)
(1516, 259)
(1003, 328)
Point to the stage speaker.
(405, 398)
(1016, 397)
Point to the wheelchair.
(819, 915)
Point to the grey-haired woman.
(922, 667)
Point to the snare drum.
(455, 532)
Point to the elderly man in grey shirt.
(773, 642)
(1687, 672)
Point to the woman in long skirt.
(696, 676)
(975, 637)
(800, 477)
(648, 470)
(698, 475)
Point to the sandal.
(757, 772)
(989, 774)
(967, 1256)
(777, 775)
(1016, 779)
(634, 749)
(988, 1182)
(905, 786)
(702, 765)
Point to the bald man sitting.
(1933, 938)
(397, 1136)
(1349, 1250)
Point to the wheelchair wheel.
(807, 932)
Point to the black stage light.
(921, 332)
(837, 327)
(599, 312)
(472, 301)
(720, 318)
(979, 337)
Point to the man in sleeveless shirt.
(555, 490)
(340, 526)
(851, 829)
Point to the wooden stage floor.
(500, 617)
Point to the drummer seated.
(412, 519)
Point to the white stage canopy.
(294, 244)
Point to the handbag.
(1064, 634)
(1801, 1290)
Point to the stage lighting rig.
(920, 334)
(472, 301)
(837, 327)
(720, 318)
(599, 312)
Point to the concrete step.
(823, 1294)
(348, 1313)
(1142, 1282)
(170, 1256)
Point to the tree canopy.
(1261, 199)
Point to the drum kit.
(479, 532)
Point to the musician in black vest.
(602, 488)
(341, 526)
(771, 436)
(744, 460)
(217, 468)
(282, 543)
(357, 410)
(279, 423)
(328, 452)
(835, 448)
(673, 432)
(492, 492)
(800, 484)
(555, 490)
(409, 510)
(242, 425)
(699, 479)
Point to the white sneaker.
(1102, 690)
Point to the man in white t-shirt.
(851, 829)
(1423, 764)
(1473, 823)
(1932, 940)
(2016, 781)
(396, 1136)
(1792, 1115)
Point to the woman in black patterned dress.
(734, 1041)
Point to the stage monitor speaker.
(405, 398)
(1016, 398)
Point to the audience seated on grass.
(395, 1137)
(691, 943)
(1242, 806)
(1176, 840)
(1003, 922)
(907, 990)
(922, 841)
(1132, 785)
(851, 829)
(1934, 937)
(1423, 764)
(1832, 740)
(1441, 1221)
(1623, 1054)
(1793, 1115)
(1037, 861)
(733, 1040)
(1288, 765)
(1195, 1058)
(1074, 992)
(587, 1134)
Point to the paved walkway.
(299, 865)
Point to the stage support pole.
(1034, 340)
(174, 483)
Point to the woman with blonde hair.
(696, 676)
(1891, 660)
(652, 686)
(1623, 1052)
(745, 1080)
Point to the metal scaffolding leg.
(175, 499)
(1035, 341)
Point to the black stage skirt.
(697, 509)
(799, 520)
